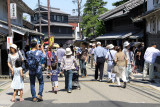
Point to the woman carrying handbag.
(121, 64)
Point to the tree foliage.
(119, 2)
(25, 17)
(90, 23)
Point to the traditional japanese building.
(152, 17)
(60, 29)
(20, 34)
(123, 23)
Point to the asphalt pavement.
(92, 94)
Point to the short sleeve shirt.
(39, 54)
(121, 59)
(84, 54)
(12, 59)
(54, 76)
(60, 53)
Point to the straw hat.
(68, 51)
(111, 46)
(14, 46)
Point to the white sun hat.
(68, 51)
(126, 44)
(98, 43)
(111, 46)
(14, 46)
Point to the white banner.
(13, 10)
(9, 42)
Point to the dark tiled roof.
(54, 24)
(54, 10)
(18, 28)
(23, 6)
(74, 19)
(117, 35)
(122, 9)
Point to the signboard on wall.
(9, 42)
(13, 10)
(51, 41)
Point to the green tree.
(90, 23)
(25, 17)
(119, 2)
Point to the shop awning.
(19, 30)
(3, 32)
(137, 35)
(116, 35)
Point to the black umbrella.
(135, 44)
(79, 42)
(70, 42)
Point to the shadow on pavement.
(113, 86)
(10, 93)
(50, 103)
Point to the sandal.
(21, 99)
(13, 100)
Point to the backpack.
(33, 62)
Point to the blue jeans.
(39, 76)
(83, 67)
(68, 79)
(59, 67)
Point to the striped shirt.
(68, 63)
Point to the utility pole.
(40, 28)
(9, 19)
(49, 21)
(79, 18)
(78, 2)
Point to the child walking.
(54, 78)
(17, 83)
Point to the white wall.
(4, 14)
(77, 36)
(150, 5)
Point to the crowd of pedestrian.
(121, 63)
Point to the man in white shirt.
(125, 50)
(110, 57)
(60, 53)
(150, 57)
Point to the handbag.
(115, 69)
(114, 63)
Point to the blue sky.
(65, 5)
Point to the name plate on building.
(13, 10)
